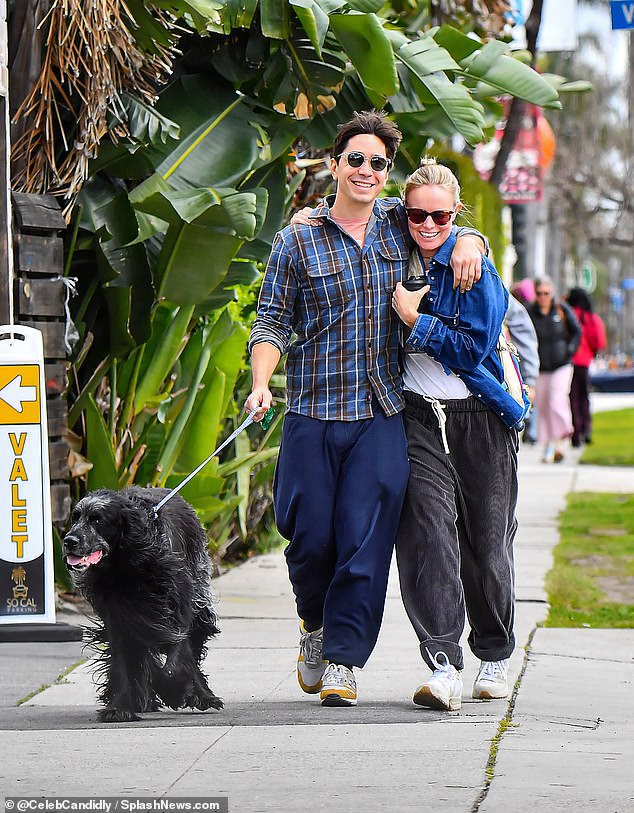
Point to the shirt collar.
(380, 208)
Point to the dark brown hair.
(369, 122)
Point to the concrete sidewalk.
(570, 743)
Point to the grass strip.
(591, 583)
(612, 439)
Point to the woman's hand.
(406, 303)
(300, 218)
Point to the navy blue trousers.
(338, 491)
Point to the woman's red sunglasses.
(419, 216)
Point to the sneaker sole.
(306, 688)
(425, 698)
(337, 700)
(485, 694)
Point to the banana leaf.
(218, 145)
(168, 348)
(369, 50)
(491, 64)
(314, 21)
(275, 18)
(227, 345)
(99, 451)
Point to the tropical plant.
(178, 204)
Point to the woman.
(592, 340)
(558, 336)
(455, 541)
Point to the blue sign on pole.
(622, 14)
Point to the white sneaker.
(492, 680)
(310, 666)
(339, 686)
(443, 690)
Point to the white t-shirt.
(426, 376)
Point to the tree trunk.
(26, 44)
(516, 110)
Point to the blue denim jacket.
(461, 332)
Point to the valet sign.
(26, 546)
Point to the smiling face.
(428, 235)
(358, 188)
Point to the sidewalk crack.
(505, 723)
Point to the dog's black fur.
(147, 576)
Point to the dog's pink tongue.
(91, 559)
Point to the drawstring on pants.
(439, 412)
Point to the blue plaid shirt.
(335, 297)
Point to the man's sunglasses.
(419, 216)
(356, 159)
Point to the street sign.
(588, 277)
(26, 545)
(622, 14)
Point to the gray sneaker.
(339, 686)
(492, 680)
(310, 666)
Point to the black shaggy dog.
(147, 576)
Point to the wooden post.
(6, 270)
(40, 299)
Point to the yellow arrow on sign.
(14, 394)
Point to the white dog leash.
(246, 422)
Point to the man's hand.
(259, 399)
(300, 218)
(466, 261)
(406, 303)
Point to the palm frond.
(90, 60)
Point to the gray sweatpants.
(455, 541)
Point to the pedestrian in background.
(523, 292)
(522, 334)
(558, 336)
(592, 340)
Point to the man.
(342, 468)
